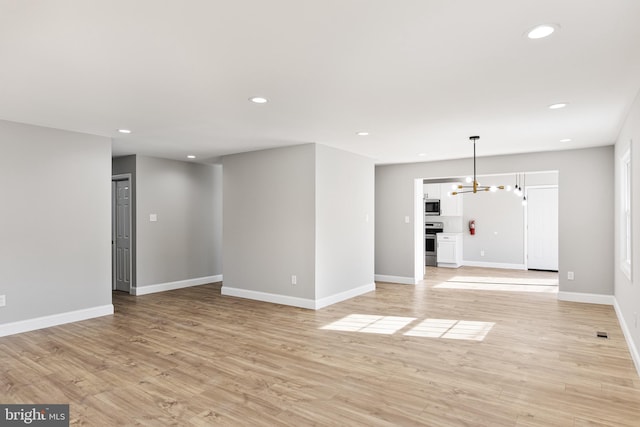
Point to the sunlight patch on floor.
(428, 328)
(553, 281)
(387, 325)
(495, 284)
(451, 329)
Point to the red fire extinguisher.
(472, 227)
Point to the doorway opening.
(509, 233)
(121, 238)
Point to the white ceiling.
(420, 75)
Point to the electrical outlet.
(3, 300)
(570, 275)
(294, 280)
(482, 252)
(635, 319)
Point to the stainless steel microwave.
(432, 207)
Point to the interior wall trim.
(633, 348)
(297, 301)
(395, 279)
(54, 320)
(268, 297)
(494, 265)
(345, 295)
(586, 298)
(169, 286)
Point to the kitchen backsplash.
(452, 224)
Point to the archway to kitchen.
(503, 237)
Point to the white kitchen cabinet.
(432, 191)
(450, 205)
(449, 253)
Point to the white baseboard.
(494, 265)
(395, 279)
(633, 349)
(342, 296)
(297, 301)
(169, 286)
(586, 298)
(267, 297)
(54, 320)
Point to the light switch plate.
(3, 300)
(153, 217)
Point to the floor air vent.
(602, 335)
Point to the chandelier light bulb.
(507, 188)
(493, 188)
(468, 179)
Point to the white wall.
(344, 221)
(180, 245)
(583, 175)
(627, 292)
(55, 251)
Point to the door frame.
(114, 178)
(526, 220)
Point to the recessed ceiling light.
(191, 156)
(566, 140)
(422, 154)
(124, 131)
(258, 100)
(362, 133)
(542, 31)
(557, 106)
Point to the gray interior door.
(122, 232)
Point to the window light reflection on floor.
(451, 329)
(387, 325)
(428, 328)
(500, 284)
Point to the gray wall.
(584, 176)
(344, 221)
(627, 292)
(180, 245)
(55, 218)
(501, 236)
(217, 216)
(305, 210)
(269, 221)
(127, 165)
(499, 220)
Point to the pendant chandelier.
(475, 187)
(518, 190)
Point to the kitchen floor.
(499, 279)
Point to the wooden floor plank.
(508, 356)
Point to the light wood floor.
(494, 357)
